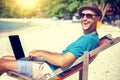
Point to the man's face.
(88, 20)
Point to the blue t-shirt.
(86, 42)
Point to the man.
(89, 16)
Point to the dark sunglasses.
(89, 16)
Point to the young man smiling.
(89, 16)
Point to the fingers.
(31, 54)
(34, 54)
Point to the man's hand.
(34, 54)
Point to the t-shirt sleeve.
(80, 46)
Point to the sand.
(54, 36)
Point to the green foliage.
(63, 8)
(55, 8)
(51, 8)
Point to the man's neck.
(86, 32)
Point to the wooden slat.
(18, 76)
(85, 65)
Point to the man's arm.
(53, 57)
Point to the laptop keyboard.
(33, 59)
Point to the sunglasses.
(89, 16)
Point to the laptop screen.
(16, 46)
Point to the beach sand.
(55, 36)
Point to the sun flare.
(27, 3)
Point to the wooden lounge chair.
(81, 64)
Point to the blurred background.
(56, 9)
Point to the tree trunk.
(103, 8)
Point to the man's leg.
(20, 66)
(8, 57)
(40, 69)
(8, 63)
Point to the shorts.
(33, 69)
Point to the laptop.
(18, 50)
